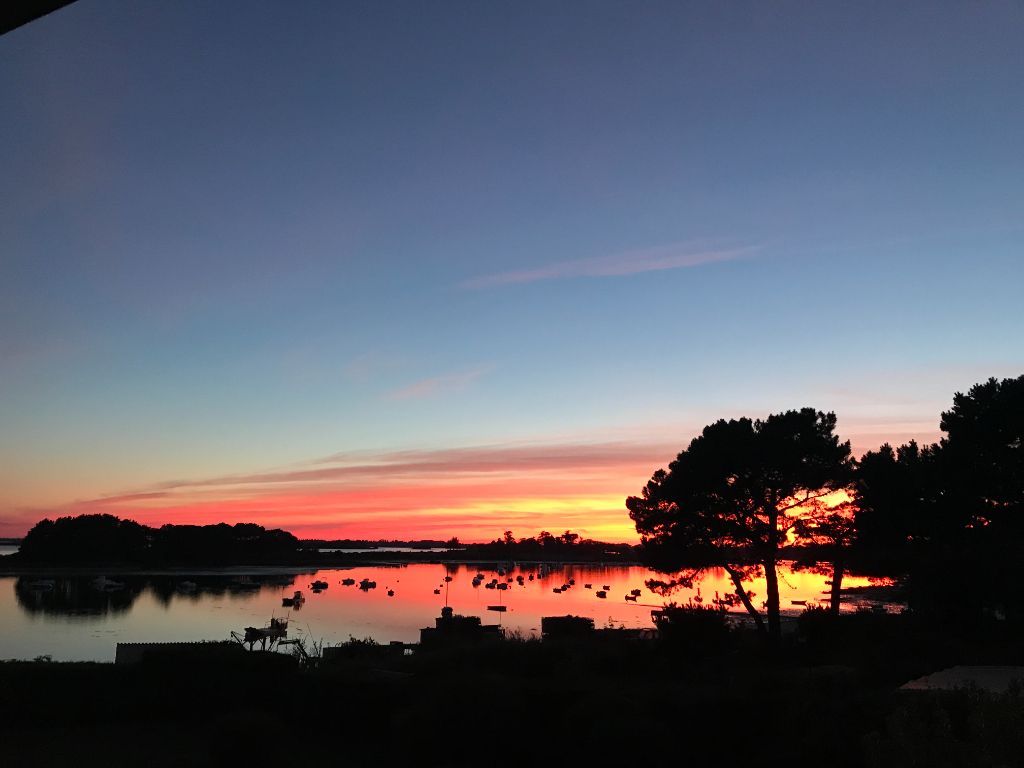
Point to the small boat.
(588, 586)
(605, 587)
(437, 591)
(447, 578)
(318, 585)
(601, 593)
(635, 592)
(498, 608)
(502, 585)
(391, 593)
(557, 590)
(347, 582)
(631, 597)
(366, 584)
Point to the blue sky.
(245, 236)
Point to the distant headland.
(107, 541)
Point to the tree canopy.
(972, 479)
(734, 496)
(983, 454)
(954, 507)
(105, 539)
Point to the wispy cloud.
(125, 498)
(437, 385)
(474, 491)
(362, 468)
(676, 256)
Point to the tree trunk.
(772, 582)
(837, 584)
(744, 597)
(771, 576)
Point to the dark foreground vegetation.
(827, 696)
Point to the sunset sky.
(450, 268)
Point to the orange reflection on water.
(414, 604)
(170, 607)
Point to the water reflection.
(424, 585)
(76, 596)
(83, 617)
(99, 596)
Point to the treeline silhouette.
(108, 540)
(546, 546)
(950, 516)
(953, 511)
(377, 543)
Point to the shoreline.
(8, 570)
(255, 569)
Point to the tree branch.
(808, 497)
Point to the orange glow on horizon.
(473, 510)
(474, 494)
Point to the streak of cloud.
(615, 265)
(439, 385)
(538, 458)
(474, 491)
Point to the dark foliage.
(105, 540)
(951, 729)
(566, 547)
(694, 629)
(86, 539)
(952, 514)
(898, 500)
(734, 495)
(983, 455)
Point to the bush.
(692, 627)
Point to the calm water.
(82, 618)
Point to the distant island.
(103, 540)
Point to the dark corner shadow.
(21, 12)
